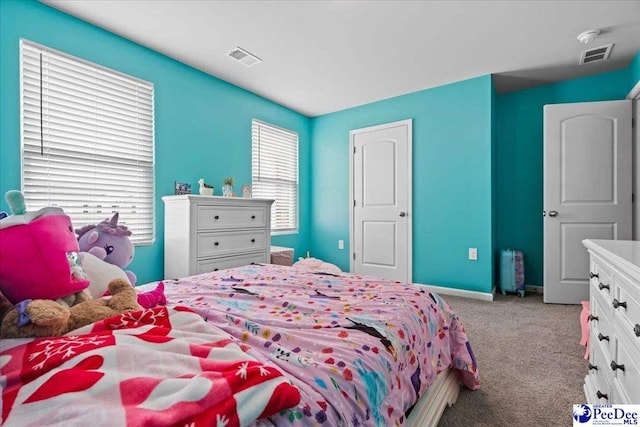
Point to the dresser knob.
(636, 330)
(216, 217)
(216, 243)
(602, 395)
(615, 366)
(592, 275)
(253, 217)
(253, 240)
(617, 303)
(603, 337)
(216, 269)
(592, 317)
(592, 367)
(603, 286)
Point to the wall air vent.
(596, 54)
(244, 57)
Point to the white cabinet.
(208, 233)
(614, 340)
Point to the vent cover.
(244, 57)
(596, 54)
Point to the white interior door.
(587, 190)
(381, 200)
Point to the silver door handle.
(553, 213)
(403, 214)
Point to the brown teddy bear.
(49, 318)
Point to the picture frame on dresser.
(210, 233)
(614, 322)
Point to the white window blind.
(87, 140)
(274, 173)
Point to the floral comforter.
(361, 350)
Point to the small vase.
(205, 191)
(227, 190)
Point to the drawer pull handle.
(216, 217)
(602, 286)
(217, 243)
(592, 317)
(253, 217)
(602, 395)
(253, 240)
(592, 367)
(603, 337)
(617, 303)
(592, 275)
(636, 330)
(215, 269)
(615, 366)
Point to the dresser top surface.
(627, 251)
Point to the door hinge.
(354, 203)
(354, 256)
(354, 149)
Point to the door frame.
(634, 97)
(409, 186)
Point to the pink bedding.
(358, 350)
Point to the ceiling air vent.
(244, 57)
(596, 54)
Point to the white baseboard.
(483, 296)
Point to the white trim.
(483, 296)
(352, 133)
(635, 92)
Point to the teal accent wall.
(452, 181)
(519, 161)
(202, 124)
(635, 70)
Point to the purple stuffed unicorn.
(109, 242)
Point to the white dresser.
(614, 340)
(209, 233)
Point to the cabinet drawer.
(224, 243)
(602, 283)
(220, 217)
(601, 326)
(629, 378)
(629, 317)
(601, 374)
(215, 264)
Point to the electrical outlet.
(340, 244)
(473, 254)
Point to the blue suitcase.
(511, 271)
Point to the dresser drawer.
(216, 264)
(220, 217)
(629, 377)
(629, 295)
(224, 243)
(602, 281)
(600, 373)
(601, 326)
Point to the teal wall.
(519, 165)
(452, 180)
(203, 124)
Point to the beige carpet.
(530, 362)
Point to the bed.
(257, 345)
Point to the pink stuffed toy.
(110, 242)
(38, 254)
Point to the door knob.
(553, 213)
(403, 214)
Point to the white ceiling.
(324, 56)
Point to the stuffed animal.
(39, 255)
(100, 273)
(110, 242)
(46, 318)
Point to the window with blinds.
(274, 173)
(87, 140)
